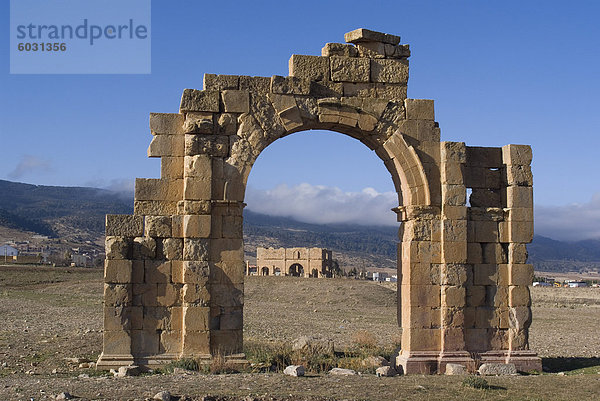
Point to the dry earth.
(49, 314)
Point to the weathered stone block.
(454, 252)
(518, 295)
(137, 272)
(171, 167)
(144, 294)
(170, 342)
(168, 295)
(519, 175)
(236, 101)
(520, 274)
(118, 295)
(124, 225)
(395, 92)
(197, 226)
(313, 68)
(349, 69)
(117, 247)
(157, 271)
(366, 35)
(476, 295)
(144, 342)
(195, 249)
(393, 71)
(158, 189)
(166, 123)
(177, 271)
(339, 49)
(197, 189)
(172, 248)
(453, 296)
(166, 145)
(517, 253)
(497, 369)
(484, 157)
(196, 272)
(117, 271)
(195, 318)
(158, 226)
(454, 369)
(195, 100)
(290, 85)
(454, 195)
(519, 197)
(199, 123)
(486, 231)
(196, 294)
(154, 208)
(116, 342)
(485, 274)
(517, 155)
(213, 82)
(419, 109)
(144, 248)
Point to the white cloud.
(29, 164)
(325, 205)
(570, 222)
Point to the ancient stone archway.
(174, 269)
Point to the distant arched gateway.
(174, 270)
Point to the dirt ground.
(49, 314)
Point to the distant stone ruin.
(296, 262)
(174, 271)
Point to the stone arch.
(264, 271)
(185, 237)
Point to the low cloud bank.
(573, 222)
(329, 205)
(29, 164)
(325, 205)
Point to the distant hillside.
(78, 212)
(59, 211)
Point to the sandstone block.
(195, 249)
(227, 295)
(154, 208)
(196, 272)
(517, 253)
(227, 124)
(124, 225)
(166, 123)
(486, 231)
(519, 175)
(366, 35)
(118, 295)
(158, 226)
(261, 85)
(117, 247)
(474, 253)
(476, 295)
(349, 69)
(484, 157)
(117, 271)
(144, 342)
(236, 101)
(168, 295)
(289, 85)
(454, 195)
(137, 272)
(395, 92)
(231, 319)
(518, 295)
(393, 71)
(170, 342)
(213, 82)
(313, 68)
(422, 295)
(454, 274)
(171, 167)
(144, 248)
(520, 274)
(455, 369)
(198, 123)
(453, 151)
(199, 166)
(519, 197)
(497, 369)
(195, 100)
(422, 339)
(519, 317)
(197, 189)
(195, 318)
(452, 173)
(226, 341)
(420, 109)
(196, 343)
(453, 296)
(177, 271)
(371, 49)
(158, 189)
(400, 51)
(454, 230)
(117, 318)
(144, 295)
(454, 252)
(226, 250)
(485, 197)
(520, 214)
(485, 274)
(116, 342)
(339, 49)
(172, 248)
(196, 294)
(166, 145)
(197, 226)
(195, 207)
(517, 155)
(157, 271)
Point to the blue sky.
(500, 72)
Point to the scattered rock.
(162, 396)
(497, 369)
(54, 371)
(87, 365)
(131, 370)
(455, 369)
(4, 364)
(294, 370)
(63, 396)
(182, 371)
(84, 376)
(560, 374)
(306, 343)
(342, 372)
(77, 360)
(386, 371)
(375, 362)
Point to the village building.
(296, 262)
